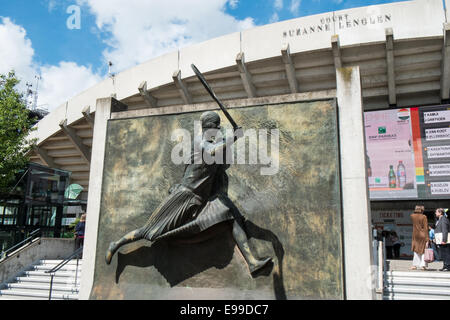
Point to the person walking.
(79, 232)
(419, 237)
(389, 245)
(396, 244)
(441, 238)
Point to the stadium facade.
(377, 62)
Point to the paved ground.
(404, 265)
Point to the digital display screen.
(408, 153)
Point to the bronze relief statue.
(199, 201)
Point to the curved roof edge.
(353, 26)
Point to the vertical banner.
(435, 130)
(390, 154)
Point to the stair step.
(418, 282)
(22, 293)
(22, 298)
(417, 285)
(399, 296)
(420, 274)
(43, 287)
(59, 274)
(34, 284)
(418, 290)
(65, 268)
(46, 279)
(56, 262)
(41, 279)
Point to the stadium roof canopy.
(402, 49)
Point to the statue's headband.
(209, 118)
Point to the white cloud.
(233, 3)
(61, 82)
(274, 18)
(51, 5)
(278, 4)
(295, 6)
(134, 33)
(16, 50)
(58, 83)
(142, 30)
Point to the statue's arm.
(213, 148)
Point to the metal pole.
(380, 267)
(76, 272)
(51, 287)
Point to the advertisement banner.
(390, 154)
(408, 153)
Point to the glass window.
(10, 215)
(41, 216)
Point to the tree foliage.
(15, 125)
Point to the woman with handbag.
(441, 234)
(419, 237)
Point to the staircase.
(34, 284)
(417, 285)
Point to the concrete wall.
(40, 249)
(355, 197)
(103, 114)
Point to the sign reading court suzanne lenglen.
(409, 19)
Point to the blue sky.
(126, 32)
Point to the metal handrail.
(55, 269)
(32, 235)
(19, 180)
(380, 286)
(382, 266)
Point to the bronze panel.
(294, 215)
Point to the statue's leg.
(128, 238)
(240, 237)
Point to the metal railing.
(30, 238)
(381, 264)
(380, 284)
(55, 269)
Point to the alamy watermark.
(234, 153)
(74, 20)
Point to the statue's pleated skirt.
(183, 214)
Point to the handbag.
(439, 236)
(429, 254)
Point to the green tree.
(15, 125)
